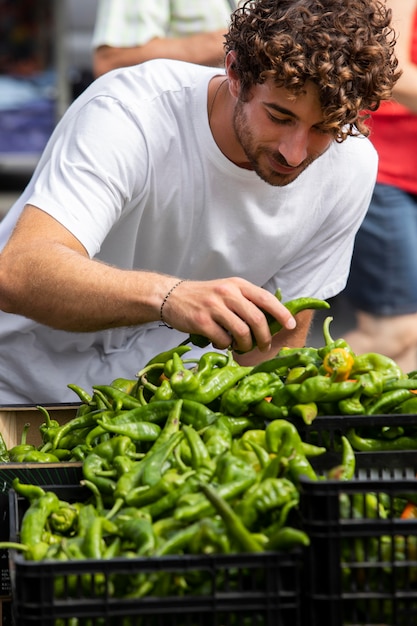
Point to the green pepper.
(165, 356)
(282, 362)
(323, 389)
(147, 494)
(93, 543)
(118, 399)
(21, 448)
(300, 373)
(330, 343)
(214, 385)
(297, 466)
(127, 385)
(49, 427)
(189, 509)
(64, 518)
(281, 437)
(97, 466)
(169, 501)
(269, 410)
(287, 538)
(210, 538)
(33, 524)
(352, 405)
(200, 457)
(155, 412)
(184, 382)
(407, 406)
(250, 390)
(269, 495)
(218, 436)
(308, 411)
(211, 360)
(294, 306)
(29, 491)
(346, 470)
(196, 414)
(230, 468)
(239, 534)
(163, 391)
(389, 401)
(178, 541)
(148, 470)
(4, 454)
(83, 421)
(83, 395)
(136, 431)
(364, 444)
(402, 383)
(372, 383)
(372, 361)
(138, 531)
(35, 456)
(238, 425)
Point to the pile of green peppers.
(300, 383)
(170, 472)
(185, 490)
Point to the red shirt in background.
(394, 135)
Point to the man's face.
(280, 135)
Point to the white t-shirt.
(128, 23)
(133, 171)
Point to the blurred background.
(45, 62)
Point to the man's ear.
(230, 65)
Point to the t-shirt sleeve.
(98, 164)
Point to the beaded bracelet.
(161, 310)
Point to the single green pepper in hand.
(294, 306)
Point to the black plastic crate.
(37, 474)
(361, 566)
(326, 429)
(237, 590)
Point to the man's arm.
(403, 12)
(202, 48)
(46, 275)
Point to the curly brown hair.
(346, 47)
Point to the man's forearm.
(203, 49)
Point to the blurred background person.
(382, 286)
(128, 32)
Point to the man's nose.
(294, 147)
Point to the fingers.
(230, 312)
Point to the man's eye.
(279, 120)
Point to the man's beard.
(257, 154)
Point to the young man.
(177, 195)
